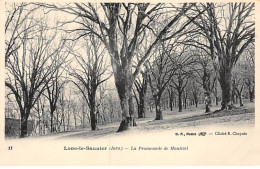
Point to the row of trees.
(152, 48)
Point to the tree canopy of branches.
(29, 69)
(185, 48)
(141, 84)
(228, 29)
(93, 71)
(54, 88)
(183, 63)
(205, 74)
(249, 74)
(161, 70)
(17, 17)
(122, 27)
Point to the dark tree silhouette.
(161, 71)
(227, 35)
(184, 63)
(29, 70)
(54, 88)
(141, 89)
(91, 73)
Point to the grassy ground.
(190, 118)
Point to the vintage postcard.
(145, 83)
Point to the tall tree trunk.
(240, 95)
(131, 109)
(39, 126)
(215, 91)
(216, 100)
(158, 109)
(225, 83)
(207, 101)
(24, 132)
(51, 121)
(141, 107)
(83, 119)
(63, 122)
(75, 121)
(124, 83)
(92, 107)
(124, 97)
(57, 122)
(24, 121)
(170, 93)
(93, 120)
(180, 100)
(52, 113)
(63, 119)
(195, 98)
(141, 87)
(185, 100)
(251, 94)
(39, 119)
(171, 103)
(68, 121)
(123, 90)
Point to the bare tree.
(160, 73)
(249, 68)
(184, 65)
(69, 109)
(40, 110)
(102, 107)
(171, 95)
(54, 88)
(228, 29)
(74, 108)
(243, 74)
(62, 103)
(238, 86)
(195, 92)
(122, 27)
(29, 70)
(93, 71)
(141, 88)
(205, 75)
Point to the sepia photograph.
(120, 83)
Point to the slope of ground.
(190, 118)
